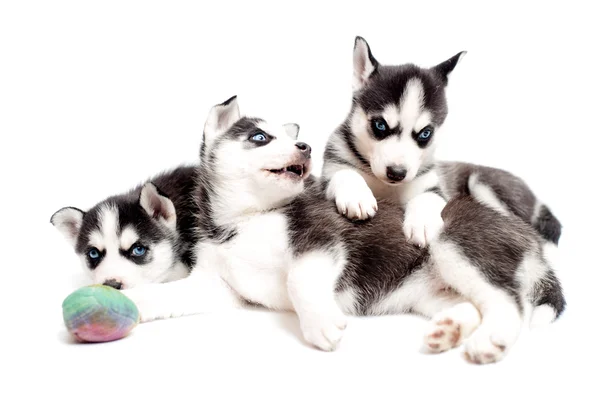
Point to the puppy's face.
(123, 241)
(264, 161)
(397, 113)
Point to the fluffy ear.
(445, 68)
(68, 221)
(292, 130)
(158, 206)
(364, 63)
(220, 118)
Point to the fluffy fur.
(270, 236)
(145, 235)
(385, 149)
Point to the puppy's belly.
(264, 286)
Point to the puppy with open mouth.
(269, 235)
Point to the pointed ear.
(68, 221)
(220, 118)
(158, 206)
(445, 68)
(292, 130)
(364, 63)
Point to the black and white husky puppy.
(269, 236)
(385, 148)
(145, 235)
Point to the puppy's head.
(124, 240)
(397, 113)
(263, 165)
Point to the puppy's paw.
(356, 203)
(422, 229)
(443, 335)
(484, 348)
(148, 308)
(450, 327)
(324, 331)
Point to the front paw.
(324, 331)
(423, 230)
(356, 203)
(148, 308)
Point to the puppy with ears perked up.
(145, 235)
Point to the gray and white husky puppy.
(385, 148)
(268, 235)
(145, 235)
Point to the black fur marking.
(177, 185)
(332, 156)
(379, 258)
(511, 190)
(495, 243)
(443, 69)
(436, 190)
(549, 292)
(346, 133)
(228, 101)
(548, 225)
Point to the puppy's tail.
(547, 225)
(549, 301)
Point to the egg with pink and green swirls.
(98, 313)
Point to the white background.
(97, 96)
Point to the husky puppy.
(385, 148)
(269, 236)
(145, 235)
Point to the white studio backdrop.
(95, 97)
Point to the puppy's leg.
(353, 197)
(311, 283)
(501, 313)
(202, 291)
(452, 320)
(450, 327)
(423, 218)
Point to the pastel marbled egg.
(99, 313)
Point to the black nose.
(396, 173)
(114, 283)
(303, 147)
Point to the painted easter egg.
(99, 313)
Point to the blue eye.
(93, 253)
(259, 137)
(425, 134)
(138, 250)
(379, 125)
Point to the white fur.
(363, 67)
(311, 282)
(346, 300)
(423, 218)
(114, 266)
(501, 319)
(158, 206)
(408, 192)
(419, 293)
(411, 105)
(542, 316)
(128, 237)
(353, 197)
(68, 222)
(220, 118)
(450, 327)
(486, 196)
(202, 292)
(243, 176)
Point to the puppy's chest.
(255, 261)
(403, 192)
